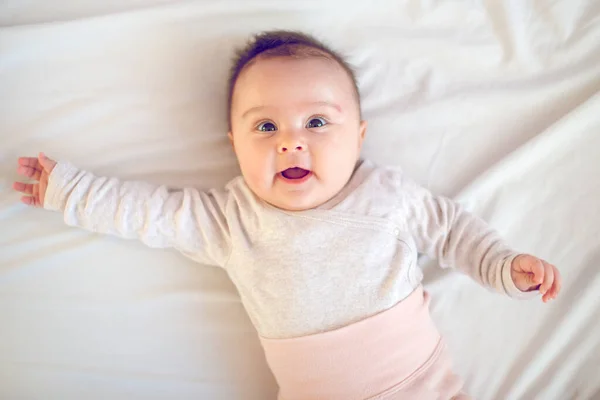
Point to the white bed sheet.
(494, 102)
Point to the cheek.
(254, 159)
(336, 149)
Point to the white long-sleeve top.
(303, 272)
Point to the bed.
(495, 103)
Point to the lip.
(295, 181)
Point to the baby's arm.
(187, 219)
(455, 237)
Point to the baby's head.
(294, 119)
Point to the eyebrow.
(320, 103)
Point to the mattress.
(495, 103)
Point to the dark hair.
(270, 44)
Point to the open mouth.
(295, 173)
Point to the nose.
(291, 143)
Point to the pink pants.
(397, 354)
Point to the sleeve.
(191, 221)
(443, 230)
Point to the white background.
(493, 102)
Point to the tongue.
(294, 173)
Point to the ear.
(230, 136)
(362, 131)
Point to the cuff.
(509, 285)
(59, 186)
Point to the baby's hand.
(531, 273)
(38, 169)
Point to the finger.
(526, 281)
(39, 192)
(531, 266)
(42, 190)
(29, 172)
(548, 280)
(46, 163)
(36, 192)
(26, 188)
(29, 200)
(555, 290)
(538, 270)
(551, 293)
(29, 162)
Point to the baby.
(321, 244)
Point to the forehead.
(283, 81)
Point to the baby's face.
(296, 130)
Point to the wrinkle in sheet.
(455, 91)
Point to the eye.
(266, 127)
(317, 122)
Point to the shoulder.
(239, 192)
(386, 179)
(243, 205)
(373, 190)
(390, 187)
(236, 184)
